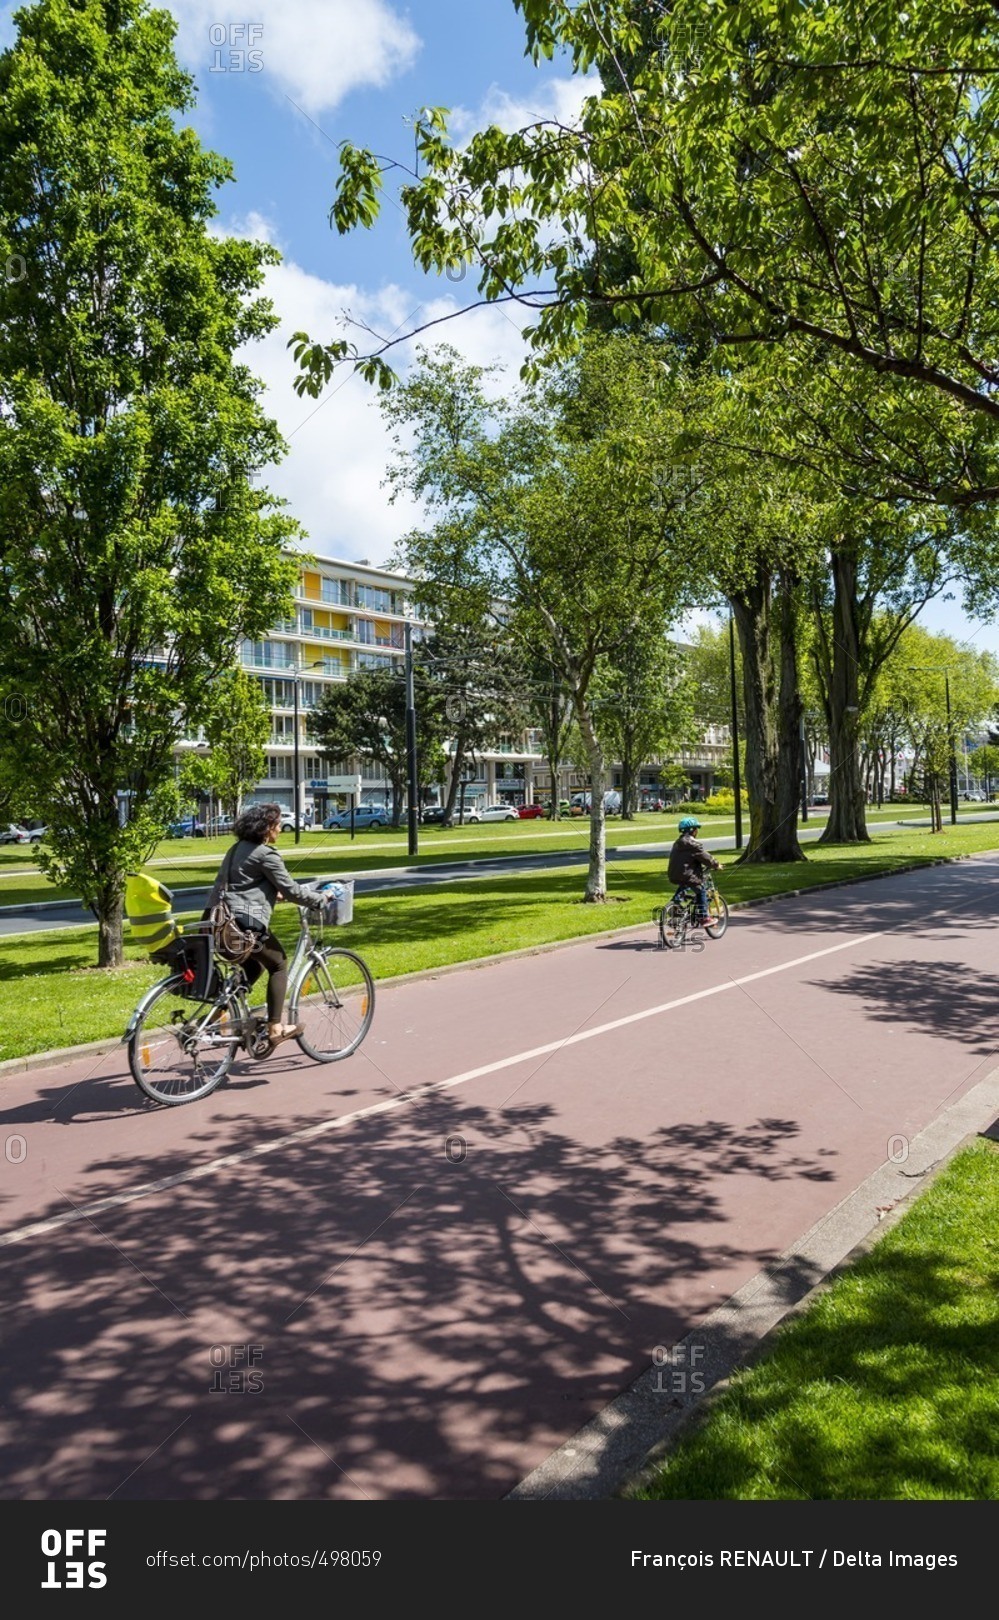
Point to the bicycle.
(679, 916)
(178, 1053)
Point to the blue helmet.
(688, 824)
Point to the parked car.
(434, 814)
(491, 812)
(580, 804)
(531, 812)
(35, 834)
(820, 798)
(187, 827)
(366, 815)
(14, 834)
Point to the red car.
(528, 812)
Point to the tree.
(133, 552)
(799, 181)
(884, 563)
(984, 762)
(551, 707)
(474, 679)
(946, 689)
(567, 508)
(236, 731)
(644, 706)
(364, 718)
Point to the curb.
(67, 1054)
(622, 1448)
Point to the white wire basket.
(341, 893)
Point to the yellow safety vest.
(148, 908)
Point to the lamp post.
(413, 793)
(296, 808)
(952, 754)
(735, 734)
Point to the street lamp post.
(413, 793)
(296, 807)
(735, 734)
(953, 756)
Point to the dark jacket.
(256, 880)
(688, 859)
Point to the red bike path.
(417, 1273)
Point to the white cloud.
(315, 51)
(560, 100)
(339, 446)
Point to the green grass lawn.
(51, 995)
(188, 862)
(886, 1387)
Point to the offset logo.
(64, 1550)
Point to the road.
(441, 1258)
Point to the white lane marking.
(309, 1132)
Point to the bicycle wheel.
(335, 1003)
(673, 926)
(178, 1050)
(718, 913)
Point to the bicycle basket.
(340, 903)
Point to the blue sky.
(280, 83)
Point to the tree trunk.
(109, 910)
(457, 771)
(847, 823)
(772, 718)
(627, 782)
(554, 765)
(596, 877)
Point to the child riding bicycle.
(688, 861)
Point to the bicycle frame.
(234, 986)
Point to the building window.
(268, 655)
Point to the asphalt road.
(442, 1258)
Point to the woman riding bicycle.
(688, 860)
(254, 877)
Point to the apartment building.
(349, 616)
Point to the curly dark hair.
(256, 821)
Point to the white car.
(492, 812)
(13, 834)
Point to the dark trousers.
(694, 883)
(270, 955)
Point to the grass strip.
(885, 1387)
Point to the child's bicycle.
(183, 1036)
(676, 919)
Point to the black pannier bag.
(191, 956)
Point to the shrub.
(718, 804)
